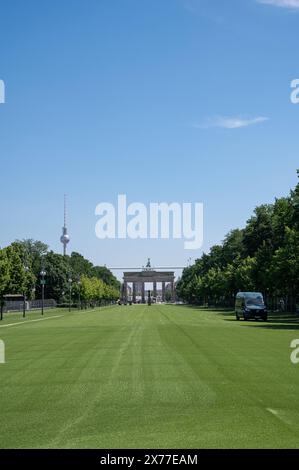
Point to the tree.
(285, 268)
(79, 265)
(282, 217)
(4, 278)
(258, 229)
(21, 264)
(34, 252)
(94, 291)
(103, 273)
(21, 277)
(295, 206)
(58, 272)
(263, 257)
(233, 246)
(244, 275)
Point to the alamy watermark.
(2, 92)
(2, 352)
(158, 221)
(295, 93)
(295, 353)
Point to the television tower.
(64, 237)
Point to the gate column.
(163, 291)
(142, 292)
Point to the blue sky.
(173, 100)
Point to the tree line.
(263, 257)
(23, 262)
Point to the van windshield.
(257, 302)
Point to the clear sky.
(163, 100)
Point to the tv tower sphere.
(64, 237)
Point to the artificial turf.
(148, 377)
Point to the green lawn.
(139, 376)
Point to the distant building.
(65, 239)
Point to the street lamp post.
(24, 293)
(70, 293)
(43, 274)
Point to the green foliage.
(94, 290)
(79, 265)
(103, 273)
(21, 279)
(4, 278)
(57, 269)
(4, 272)
(21, 264)
(285, 265)
(264, 257)
(34, 251)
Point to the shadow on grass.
(276, 320)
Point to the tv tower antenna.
(64, 237)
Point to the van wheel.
(265, 318)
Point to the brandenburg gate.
(148, 275)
